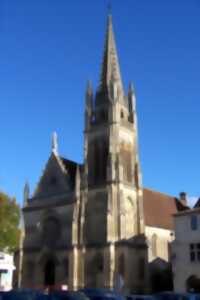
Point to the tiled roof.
(159, 209)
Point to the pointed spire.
(26, 193)
(55, 143)
(110, 67)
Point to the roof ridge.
(69, 160)
(161, 193)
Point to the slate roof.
(159, 209)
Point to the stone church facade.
(87, 225)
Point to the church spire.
(110, 67)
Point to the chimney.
(183, 198)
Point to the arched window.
(100, 156)
(126, 158)
(154, 245)
(122, 114)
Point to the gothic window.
(100, 161)
(127, 165)
(122, 114)
(154, 245)
(101, 116)
(104, 115)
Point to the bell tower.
(113, 205)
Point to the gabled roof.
(159, 209)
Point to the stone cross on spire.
(110, 67)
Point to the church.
(88, 224)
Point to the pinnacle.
(89, 87)
(131, 88)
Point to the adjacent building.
(186, 250)
(6, 271)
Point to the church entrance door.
(49, 273)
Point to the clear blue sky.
(48, 50)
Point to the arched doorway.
(49, 273)
(193, 284)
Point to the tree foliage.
(9, 223)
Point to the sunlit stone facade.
(85, 224)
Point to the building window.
(193, 222)
(127, 165)
(195, 252)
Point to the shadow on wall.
(161, 275)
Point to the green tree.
(9, 223)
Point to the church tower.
(83, 225)
(112, 199)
